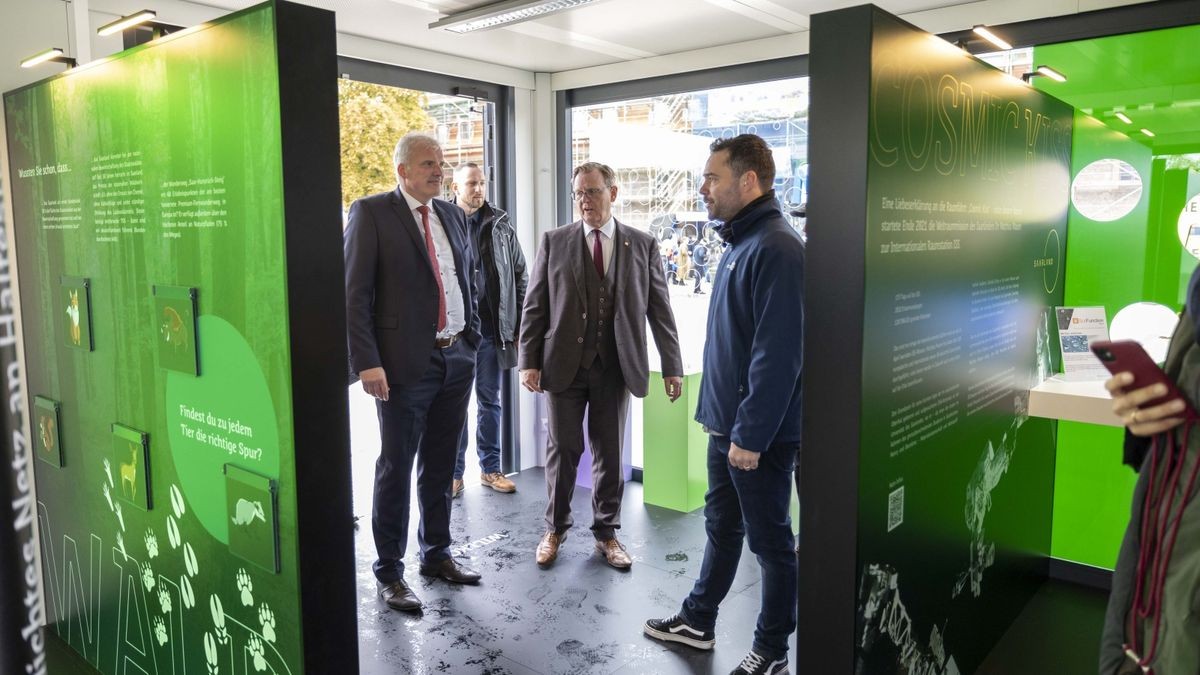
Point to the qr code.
(895, 508)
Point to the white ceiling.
(606, 32)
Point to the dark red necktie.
(437, 270)
(597, 253)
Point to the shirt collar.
(608, 229)
(411, 200)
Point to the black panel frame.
(834, 287)
(307, 48)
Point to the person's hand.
(1143, 421)
(374, 382)
(674, 387)
(740, 458)
(531, 379)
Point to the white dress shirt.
(455, 307)
(605, 233)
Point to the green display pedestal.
(674, 472)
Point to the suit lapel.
(578, 259)
(620, 256)
(410, 225)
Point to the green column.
(674, 472)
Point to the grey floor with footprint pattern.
(580, 616)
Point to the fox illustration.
(46, 431)
(73, 313)
(172, 331)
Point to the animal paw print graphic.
(267, 618)
(164, 600)
(246, 586)
(151, 545)
(218, 615)
(258, 653)
(210, 654)
(120, 516)
(107, 490)
(148, 578)
(160, 631)
(121, 546)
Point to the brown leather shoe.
(614, 553)
(399, 596)
(498, 482)
(547, 549)
(456, 487)
(450, 571)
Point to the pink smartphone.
(1127, 356)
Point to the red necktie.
(437, 270)
(597, 253)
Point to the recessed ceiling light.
(1123, 117)
(1148, 133)
(499, 14)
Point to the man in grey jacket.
(501, 279)
(595, 285)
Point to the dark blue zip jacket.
(753, 353)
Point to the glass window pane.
(658, 146)
(373, 117)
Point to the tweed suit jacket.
(556, 307)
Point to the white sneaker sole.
(681, 639)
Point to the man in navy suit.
(413, 332)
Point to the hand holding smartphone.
(1127, 356)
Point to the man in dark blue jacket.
(749, 404)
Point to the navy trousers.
(420, 423)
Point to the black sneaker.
(755, 664)
(675, 629)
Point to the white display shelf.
(1075, 401)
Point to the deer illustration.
(73, 313)
(129, 472)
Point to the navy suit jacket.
(391, 293)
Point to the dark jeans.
(752, 505)
(487, 400)
(420, 422)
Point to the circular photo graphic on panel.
(1147, 323)
(1189, 226)
(1106, 189)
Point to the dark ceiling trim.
(678, 83)
(1086, 25)
(411, 78)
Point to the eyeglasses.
(590, 193)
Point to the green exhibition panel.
(927, 488)
(179, 261)
(1106, 263)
